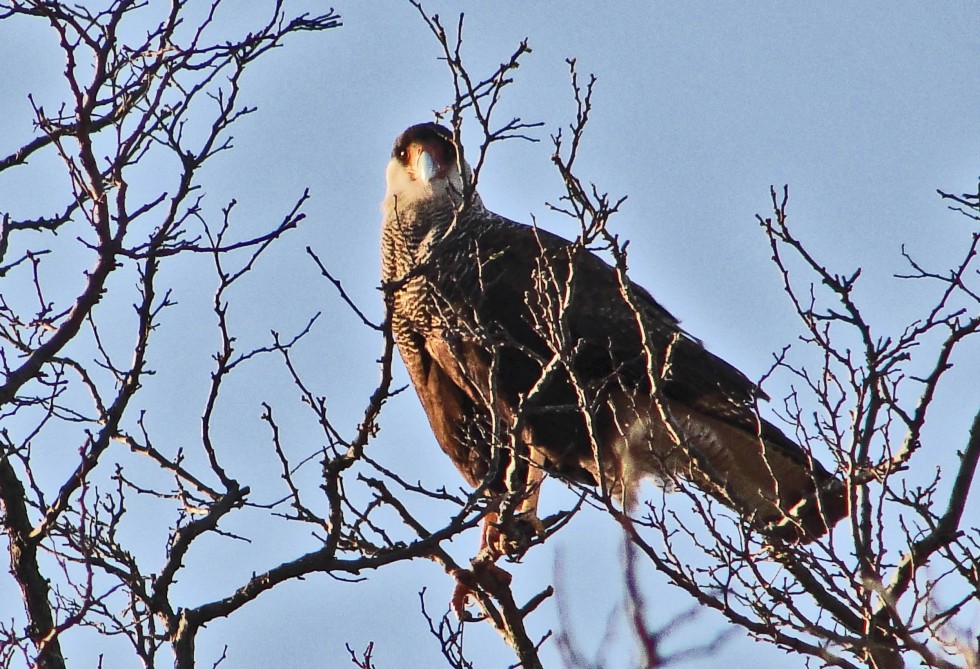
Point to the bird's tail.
(770, 480)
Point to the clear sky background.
(864, 109)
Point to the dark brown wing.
(458, 423)
(543, 331)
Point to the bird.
(534, 357)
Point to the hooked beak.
(422, 163)
(425, 166)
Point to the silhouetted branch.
(70, 383)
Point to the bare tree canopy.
(201, 410)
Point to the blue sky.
(864, 109)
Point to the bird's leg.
(483, 571)
(508, 532)
(528, 509)
(492, 539)
(520, 529)
(518, 524)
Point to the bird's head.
(425, 164)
